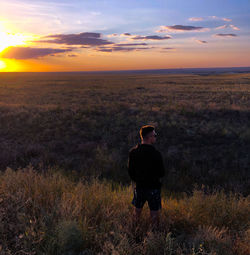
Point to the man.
(145, 168)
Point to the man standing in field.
(145, 168)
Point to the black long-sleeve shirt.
(145, 166)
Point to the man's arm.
(131, 167)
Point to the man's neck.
(145, 142)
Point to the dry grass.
(50, 214)
(82, 127)
(87, 123)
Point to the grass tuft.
(47, 213)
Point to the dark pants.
(152, 196)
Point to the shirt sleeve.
(131, 167)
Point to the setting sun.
(8, 39)
(2, 64)
(11, 38)
(88, 37)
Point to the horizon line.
(137, 70)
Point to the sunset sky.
(92, 35)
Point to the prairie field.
(64, 142)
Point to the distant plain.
(88, 123)
(64, 140)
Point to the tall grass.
(47, 213)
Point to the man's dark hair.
(145, 130)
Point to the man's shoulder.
(134, 149)
(144, 149)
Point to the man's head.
(148, 134)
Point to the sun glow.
(2, 64)
(8, 38)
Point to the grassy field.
(87, 124)
(49, 214)
(64, 139)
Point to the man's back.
(146, 166)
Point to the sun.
(8, 39)
(2, 64)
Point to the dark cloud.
(29, 53)
(226, 35)
(91, 39)
(126, 34)
(73, 36)
(151, 37)
(130, 48)
(131, 44)
(200, 41)
(119, 48)
(104, 49)
(167, 48)
(182, 28)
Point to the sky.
(99, 35)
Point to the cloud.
(227, 26)
(180, 28)
(131, 44)
(85, 38)
(30, 53)
(112, 35)
(218, 18)
(221, 27)
(196, 19)
(225, 35)
(104, 49)
(126, 34)
(201, 41)
(226, 19)
(234, 27)
(168, 48)
(151, 37)
(209, 18)
(119, 48)
(120, 35)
